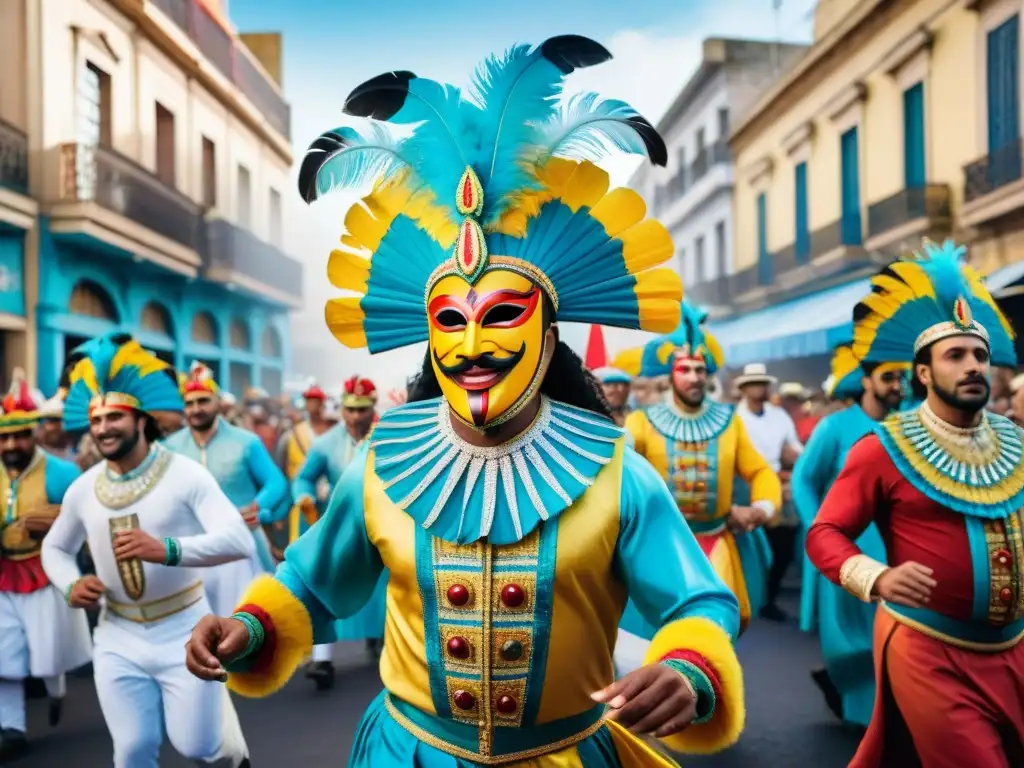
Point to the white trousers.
(629, 653)
(225, 584)
(145, 689)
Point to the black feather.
(319, 152)
(572, 52)
(381, 97)
(656, 149)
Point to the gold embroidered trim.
(133, 576)
(115, 493)
(859, 574)
(967, 645)
(155, 610)
(487, 759)
(1005, 547)
(524, 268)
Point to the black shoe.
(56, 710)
(13, 745)
(35, 688)
(322, 673)
(245, 764)
(773, 613)
(833, 700)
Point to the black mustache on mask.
(486, 361)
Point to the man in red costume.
(944, 482)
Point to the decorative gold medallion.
(962, 315)
(133, 577)
(470, 250)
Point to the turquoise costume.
(328, 457)
(845, 624)
(246, 473)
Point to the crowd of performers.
(548, 576)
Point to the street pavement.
(788, 725)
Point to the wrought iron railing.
(930, 201)
(13, 158)
(238, 250)
(995, 170)
(99, 174)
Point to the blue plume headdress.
(114, 371)
(502, 179)
(846, 373)
(689, 339)
(919, 300)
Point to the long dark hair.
(567, 381)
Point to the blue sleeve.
(666, 573)
(333, 568)
(813, 470)
(60, 474)
(271, 481)
(309, 474)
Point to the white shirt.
(186, 504)
(770, 432)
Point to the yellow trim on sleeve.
(293, 634)
(712, 642)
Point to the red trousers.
(940, 706)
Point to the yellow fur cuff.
(704, 637)
(293, 638)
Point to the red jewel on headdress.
(962, 313)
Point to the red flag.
(597, 353)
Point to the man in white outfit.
(152, 519)
(39, 634)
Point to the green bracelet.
(701, 686)
(70, 589)
(173, 548)
(256, 633)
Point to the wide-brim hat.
(754, 373)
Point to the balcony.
(229, 57)
(710, 173)
(105, 197)
(235, 256)
(16, 208)
(710, 293)
(897, 223)
(994, 186)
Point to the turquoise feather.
(589, 129)
(516, 93)
(357, 160)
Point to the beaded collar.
(462, 492)
(119, 491)
(685, 427)
(978, 471)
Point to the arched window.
(89, 299)
(270, 345)
(156, 318)
(204, 328)
(238, 335)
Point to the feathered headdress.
(845, 380)
(690, 339)
(500, 179)
(359, 393)
(20, 410)
(628, 360)
(919, 300)
(199, 382)
(114, 372)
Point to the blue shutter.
(1003, 91)
(850, 162)
(764, 263)
(803, 234)
(914, 174)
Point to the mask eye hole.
(503, 314)
(450, 319)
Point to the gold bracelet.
(859, 574)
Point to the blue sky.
(330, 46)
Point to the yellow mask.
(487, 344)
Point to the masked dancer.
(700, 447)
(845, 624)
(152, 520)
(320, 474)
(511, 517)
(39, 635)
(239, 460)
(944, 483)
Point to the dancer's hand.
(746, 519)
(214, 640)
(86, 592)
(654, 699)
(909, 584)
(251, 514)
(135, 543)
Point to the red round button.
(1006, 595)
(464, 700)
(513, 595)
(506, 705)
(459, 647)
(458, 595)
(1002, 557)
